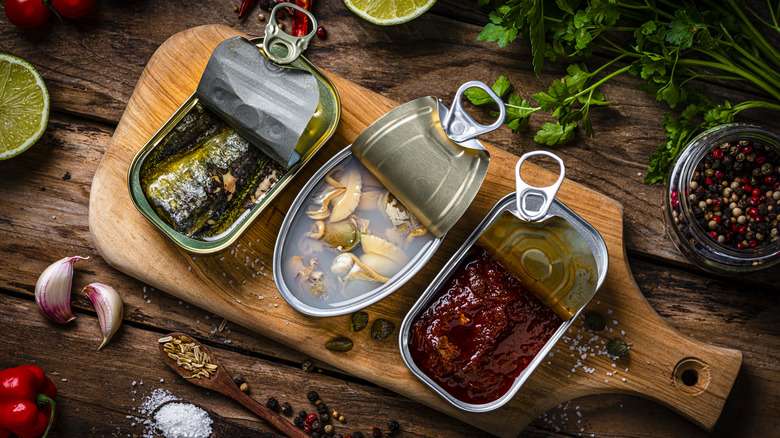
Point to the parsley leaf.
(555, 133)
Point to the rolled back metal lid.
(409, 151)
(268, 104)
(545, 251)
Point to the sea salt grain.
(181, 420)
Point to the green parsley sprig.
(666, 44)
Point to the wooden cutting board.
(686, 375)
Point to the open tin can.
(549, 262)
(373, 215)
(208, 172)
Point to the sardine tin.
(407, 141)
(319, 129)
(506, 204)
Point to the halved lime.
(24, 105)
(387, 12)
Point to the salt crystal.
(260, 297)
(183, 420)
(64, 380)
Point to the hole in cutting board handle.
(691, 376)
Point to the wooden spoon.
(222, 427)
(220, 381)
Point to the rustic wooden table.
(91, 67)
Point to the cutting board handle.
(686, 375)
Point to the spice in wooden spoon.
(194, 362)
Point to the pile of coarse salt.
(174, 420)
(182, 420)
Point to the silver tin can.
(509, 203)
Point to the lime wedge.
(387, 12)
(24, 105)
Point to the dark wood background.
(91, 66)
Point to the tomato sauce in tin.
(481, 331)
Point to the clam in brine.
(355, 235)
(373, 215)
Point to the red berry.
(744, 179)
(675, 203)
(714, 235)
(310, 418)
(307, 429)
(758, 219)
(719, 174)
(735, 228)
(377, 432)
(321, 32)
(747, 149)
(743, 230)
(748, 188)
(739, 245)
(760, 160)
(752, 211)
(752, 243)
(769, 179)
(674, 194)
(755, 192)
(717, 219)
(717, 202)
(753, 201)
(761, 199)
(776, 185)
(708, 181)
(717, 153)
(728, 237)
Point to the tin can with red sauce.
(550, 254)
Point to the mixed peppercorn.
(317, 424)
(733, 195)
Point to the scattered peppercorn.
(235, 8)
(377, 432)
(328, 429)
(324, 418)
(311, 418)
(342, 419)
(244, 387)
(618, 347)
(307, 429)
(322, 409)
(322, 33)
(316, 434)
(302, 414)
(260, 17)
(357, 435)
(313, 396)
(316, 425)
(238, 379)
(287, 409)
(298, 421)
(272, 404)
(393, 426)
(307, 366)
(338, 435)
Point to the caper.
(359, 321)
(618, 347)
(595, 321)
(381, 328)
(339, 344)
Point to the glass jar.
(712, 235)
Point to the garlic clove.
(108, 306)
(52, 292)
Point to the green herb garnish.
(666, 44)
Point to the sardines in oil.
(354, 236)
(203, 176)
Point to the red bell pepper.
(27, 406)
(300, 22)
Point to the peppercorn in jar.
(721, 199)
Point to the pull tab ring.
(275, 36)
(528, 194)
(460, 126)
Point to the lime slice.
(387, 12)
(24, 105)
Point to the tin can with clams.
(373, 215)
(504, 299)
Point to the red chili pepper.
(246, 5)
(300, 23)
(27, 406)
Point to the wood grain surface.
(91, 67)
(223, 284)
